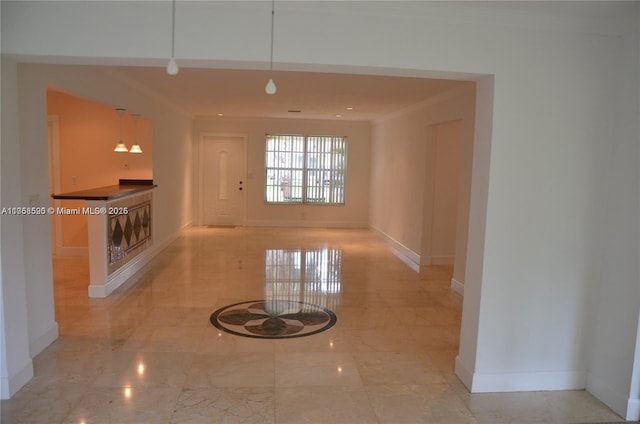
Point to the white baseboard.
(618, 402)
(465, 375)
(457, 286)
(406, 255)
(633, 410)
(75, 251)
(307, 224)
(9, 386)
(406, 259)
(44, 340)
(518, 382)
(527, 381)
(120, 276)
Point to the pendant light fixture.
(136, 147)
(121, 147)
(271, 86)
(172, 67)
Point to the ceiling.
(239, 93)
(204, 92)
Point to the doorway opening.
(82, 135)
(476, 215)
(443, 232)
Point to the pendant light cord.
(273, 14)
(173, 27)
(120, 112)
(135, 127)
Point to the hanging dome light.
(271, 87)
(172, 67)
(136, 147)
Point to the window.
(305, 169)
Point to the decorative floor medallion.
(273, 319)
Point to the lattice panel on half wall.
(128, 233)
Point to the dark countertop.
(125, 188)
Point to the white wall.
(353, 214)
(447, 151)
(400, 161)
(614, 297)
(34, 177)
(16, 364)
(537, 258)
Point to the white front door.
(223, 179)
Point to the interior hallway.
(149, 353)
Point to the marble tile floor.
(149, 354)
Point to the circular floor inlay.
(273, 319)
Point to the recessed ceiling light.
(221, 114)
(338, 116)
(349, 108)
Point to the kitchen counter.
(123, 189)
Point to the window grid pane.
(284, 169)
(305, 169)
